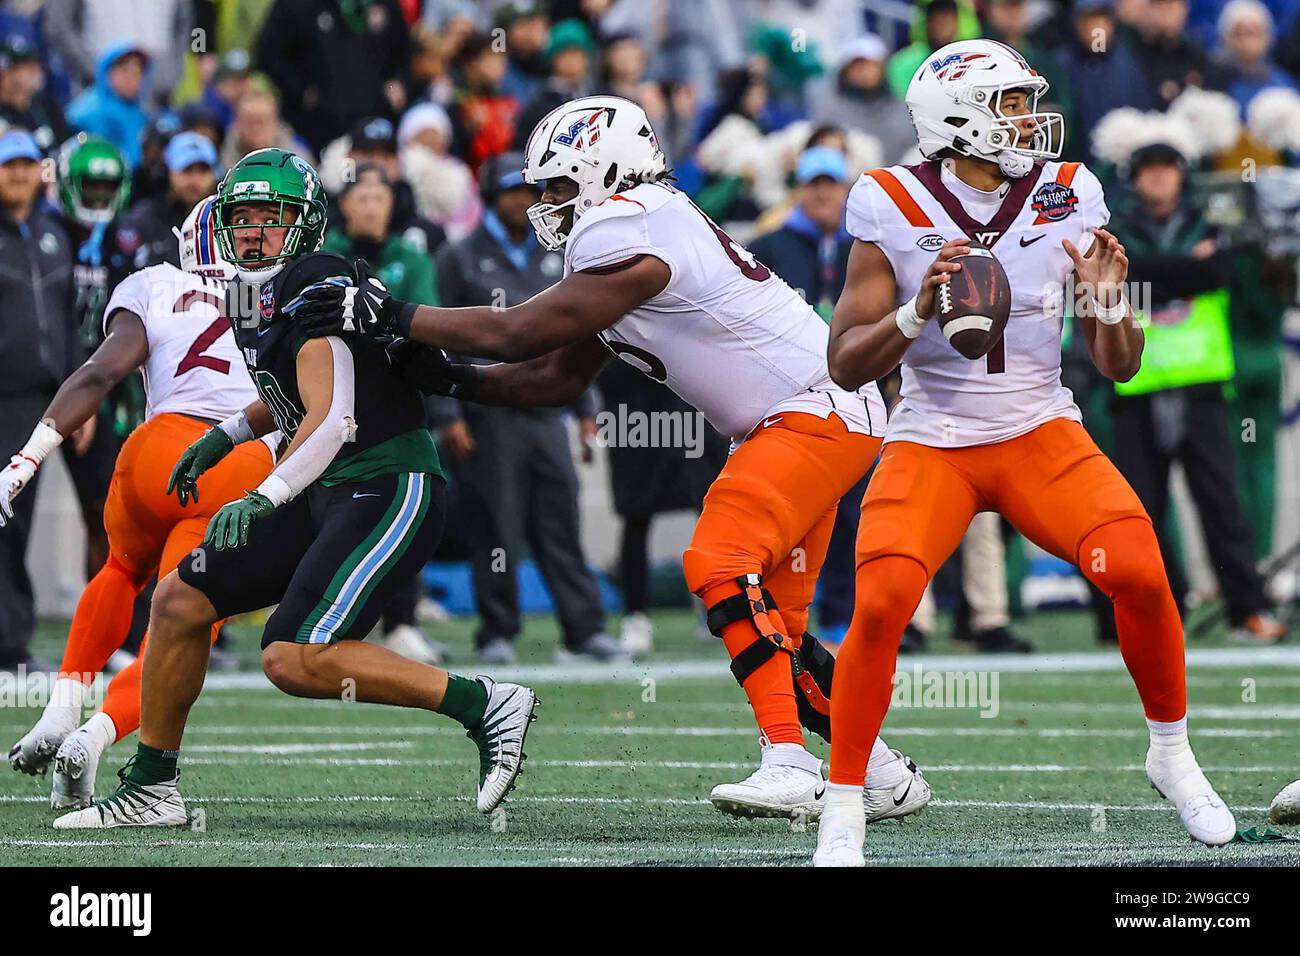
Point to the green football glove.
(195, 460)
(229, 526)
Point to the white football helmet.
(198, 242)
(602, 143)
(955, 99)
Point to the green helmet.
(94, 183)
(284, 180)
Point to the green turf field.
(620, 768)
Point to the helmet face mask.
(288, 187)
(93, 183)
(602, 144)
(957, 99)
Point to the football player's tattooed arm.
(1115, 348)
(557, 378)
(122, 352)
(574, 309)
(327, 386)
(867, 338)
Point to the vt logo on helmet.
(198, 242)
(600, 144)
(980, 98)
(270, 207)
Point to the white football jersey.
(949, 401)
(194, 367)
(726, 334)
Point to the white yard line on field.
(1082, 662)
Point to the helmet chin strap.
(1014, 165)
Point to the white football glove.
(13, 480)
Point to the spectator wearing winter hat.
(568, 56)
(934, 24)
(858, 96)
(24, 102)
(373, 142)
(191, 161)
(444, 187)
(1246, 28)
(114, 107)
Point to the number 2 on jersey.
(195, 358)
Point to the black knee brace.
(811, 665)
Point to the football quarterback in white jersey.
(999, 432)
(171, 324)
(650, 278)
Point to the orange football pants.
(148, 534)
(770, 512)
(1059, 491)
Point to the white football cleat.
(1178, 778)
(903, 799)
(74, 770)
(500, 738)
(131, 805)
(788, 783)
(1285, 807)
(637, 635)
(33, 753)
(841, 832)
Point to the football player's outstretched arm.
(122, 352)
(1114, 339)
(574, 309)
(555, 379)
(868, 334)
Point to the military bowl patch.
(1053, 202)
(266, 302)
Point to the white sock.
(101, 730)
(791, 755)
(68, 694)
(884, 770)
(843, 795)
(1169, 736)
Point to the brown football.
(972, 308)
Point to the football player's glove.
(229, 526)
(429, 370)
(365, 308)
(14, 479)
(195, 460)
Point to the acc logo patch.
(930, 242)
(1053, 202)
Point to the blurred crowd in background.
(415, 112)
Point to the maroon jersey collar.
(927, 174)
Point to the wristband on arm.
(43, 441)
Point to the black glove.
(429, 370)
(364, 308)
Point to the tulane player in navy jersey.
(353, 507)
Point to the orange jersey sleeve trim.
(1065, 175)
(901, 197)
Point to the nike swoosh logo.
(770, 421)
(1023, 243)
(898, 801)
(821, 792)
(367, 494)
